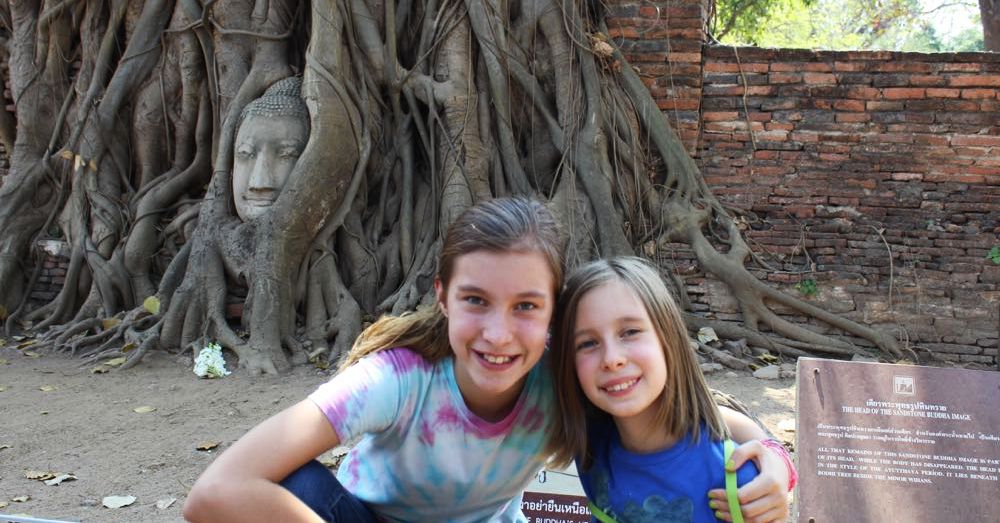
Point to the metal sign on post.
(883, 442)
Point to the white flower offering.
(209, 363)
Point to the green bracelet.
(599, 514)
(731, 486)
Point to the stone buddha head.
(272, 133)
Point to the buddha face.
(266, 151)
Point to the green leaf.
(994, 255)
(807, 287)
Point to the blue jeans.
(317, 487)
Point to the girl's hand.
(765, 498)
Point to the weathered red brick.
(903, 93)
(943, 93)
(819, 79)
(784, 78)
(954, 177)
(721, 67)
(853, 117)
(864, 93)
(976, 94)
(684, 57)
(765, 155)
(962, 67)
(850, 66)
(884, 106)
(978, 80)
(761, 90)
(931, 139)
(849, 105)
(629, 32)
(716, 116)
(975, 140)
(680, 104)
(904, 66)
(927, 80)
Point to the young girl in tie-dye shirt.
(448, 406)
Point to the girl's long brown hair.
(500, 225)
(686, 401)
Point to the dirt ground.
(58, 417)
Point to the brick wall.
(663, 41)
(875, 174)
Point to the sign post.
(882, 442)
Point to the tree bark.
(989, 11)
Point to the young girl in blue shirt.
(634, 408)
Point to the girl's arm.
(765, 498)
(242, 483)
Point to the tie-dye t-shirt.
(423, 456)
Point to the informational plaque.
(556, 497)
(879, 442)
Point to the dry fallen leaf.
(26, 344)
(117, 501)
(100, 369)
(20, 499)
(3, 361)
(152, 305)
(128, 347)
(3, 504)
(48, 388)
(31, 354)
(165, 503)
(114, 362)
(707, 335)
(3, 389)
(110, 323)
(59, 479)
(5, 447)
(208, 445)
(603, 49)
(143, 409)
(39, 475)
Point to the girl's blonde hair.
(501, 225)
(686, 401)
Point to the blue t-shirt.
(423, 455)
(668, 486)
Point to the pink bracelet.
(776, 446)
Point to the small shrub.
(807, 287)
(994, 255)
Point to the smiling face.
(498, 307)
(620, 361)
(266, 151)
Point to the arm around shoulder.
(242, 483)
(765, 498)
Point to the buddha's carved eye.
(290, 152)
(246, 152)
